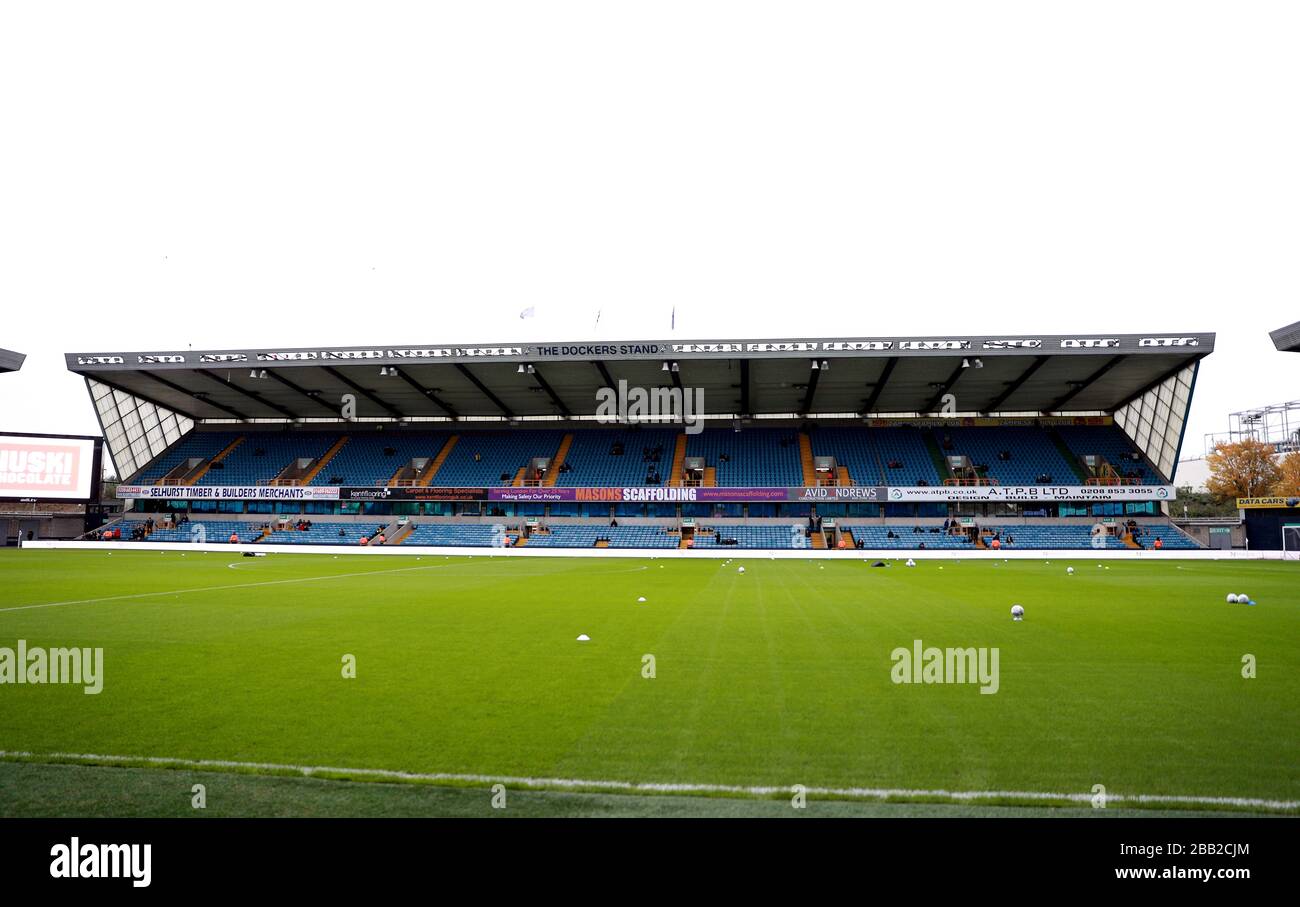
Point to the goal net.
(1291, 541)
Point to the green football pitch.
(721, 688)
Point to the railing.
(977, 481)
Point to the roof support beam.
(369, 395)
(483, 389)
(946, 388)
(1082, 385)
(869, 407)
(252, 395)
(814, 374)
(676, 376)
(604, 373)
(544, 385)
(426, 392)
(1014, 386)
(313, 396)
(744, 388)
(201, 396)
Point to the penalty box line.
(632, 787)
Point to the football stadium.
(651, 577)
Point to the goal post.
(1291, 541)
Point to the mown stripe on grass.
(223, 588)
(272, 582)
(632, 787)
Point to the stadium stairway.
(202, 470)
(710, 477)
(553, 471)
(1068, 455)
(518, 481)
(438, 461)
(940, 461)
(842, 476)
(806, 460)
(315, 469)
(679, 462)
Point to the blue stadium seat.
(364, 459)
(590, 462)
(755, 457)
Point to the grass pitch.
(468, 670)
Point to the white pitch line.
(632, 787)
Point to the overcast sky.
(247, 174)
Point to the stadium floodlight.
(979, 363)
(255, 373)
(826, 365)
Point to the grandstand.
(1037, 440)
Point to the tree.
(1288, 483)
(1244, 469)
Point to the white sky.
(333, 173)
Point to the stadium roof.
(1287, 339)
(1084, 372)
(11, 361)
